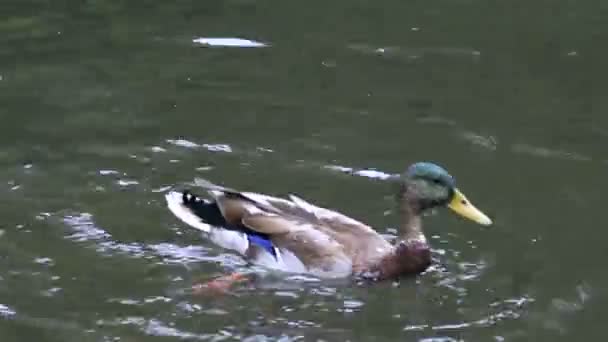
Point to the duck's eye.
(436, 181)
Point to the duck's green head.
(430, 186)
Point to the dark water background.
(106, 104)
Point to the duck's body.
(294, 235)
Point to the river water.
(107, 104)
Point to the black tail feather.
(207, 211)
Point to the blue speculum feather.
(262, 241)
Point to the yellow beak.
(461, 205)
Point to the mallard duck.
(294, 235)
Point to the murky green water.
(106, 104)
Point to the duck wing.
(310, 231)
(294, 208)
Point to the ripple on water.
(183, 143)
(209, 147)
(84, 229)
(122, 182)
(435, 120)
(108, 172)
(488, 142)
(157, 149)
(44, 261)
(127, 182)
(156, 327)
(546, 152)
(369, 173)
(411, 52)
(6, 311)
(229, 42)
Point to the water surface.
(106, 105)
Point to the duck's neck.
(410, 212)
(411, 254)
